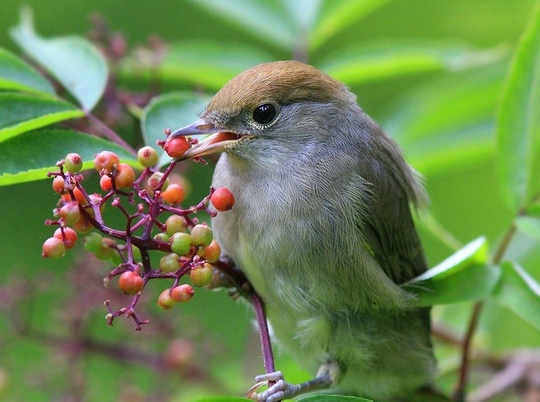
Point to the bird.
(322, 228)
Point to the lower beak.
(216, 142)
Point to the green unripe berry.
(73, 163)
(169, 263)
(180, 243)
(165, 300)
(147, 156)
(164, 237)
(202, 276)
(92, 242)
(175, 224)
(201, 235)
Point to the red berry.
(182, 293)
(53, 248)
(105, 182)
(130, 283)
(165, 300)
(125, 176)
(106, 160)
(222, 199)
(70, 213)
(147, 156)
(174, 194)
(73, 163)
(69, 236)
(212, 252)
(59, 185)
(176, 147)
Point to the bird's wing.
(389, 228)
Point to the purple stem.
(266, 344)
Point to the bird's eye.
(264, 114)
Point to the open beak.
(216, 142)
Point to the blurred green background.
(443, 118)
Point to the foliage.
(479, 106)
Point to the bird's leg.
(326, 376)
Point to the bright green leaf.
(266, 20)
(21, 112)
(333, 398)
(518, 123)
(204, 63)
(520, 293)
(336, 15)
(380, 60)
(529, 225)
(464, 276)
(72, 60)
(173, 110)
(16, 75)
(475, 252)
(31, 156)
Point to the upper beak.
(216, 142)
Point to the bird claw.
(280, 390)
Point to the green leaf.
(519, 293)
(518, 120)
(464, 276)
(31, 156)
(204, 63)
(16, 75)
(173, 110)
(529, 225)
(21, 112)
(337, 15)
(266, 20)
(370, 62)
(72, 60)
(450, 121)
(333, 398)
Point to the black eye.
(264, 114)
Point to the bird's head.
(268, 107)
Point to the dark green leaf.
(518, 123)
(72, 60)
(16, 75)
(336, 15)
(464, 276)
(21, 112)
(520, 293)
(266, 20)
(204, 63)
(173, 111)
(380, 60)
(30, 156)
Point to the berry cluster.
(155, 222)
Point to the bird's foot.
(283, 390)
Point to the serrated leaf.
(204, 63)
(380, 60)
(464, 276)
(520, 293)
(266, 20)
(72, 60)
(529, 225)
(17, 75)
(20, 112)
(333, 398)
(336, 15)
(173, 111)
(30, 156)
(518, 121)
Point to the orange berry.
(222, 199)
(174, 194)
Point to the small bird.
(322, 228)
